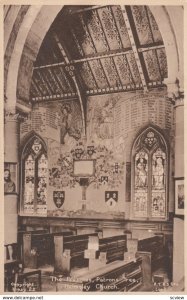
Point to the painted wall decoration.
(105, 167)
(63, 118)
(58, 198)
(101, 119)
(111, 198)
(68, 122)
(112, 122)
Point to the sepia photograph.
(94, 149)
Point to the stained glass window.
(42, 185)
(158, 183)
(35, 174)
(150, 176)
(141, 184)
(29, 184)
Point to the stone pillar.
(176, 95)
(11, 155)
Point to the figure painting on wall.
(67, 124)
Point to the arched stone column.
(176, 96)
(11, 137)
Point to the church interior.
(93, 148)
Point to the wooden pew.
(151, 250)
(105, 250)
(155, 246)
(113, 277)
(38, 248)
(69, 251)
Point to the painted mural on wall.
(63, 118)
(108, 171)
(112, 123)
(101, 118)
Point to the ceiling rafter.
(134, 45)
(47, 81)
(78, 89)
(59, 97)
(37, 86)
(44, 82)
(99, 56)
(52, 71)
(151, 47)
(82, 10)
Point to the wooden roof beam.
(86, 59)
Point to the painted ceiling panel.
(110, 28)
(40, 83)
(65, 83)
(141, 21)
(96, 42)
(82, 37)
(120, 23)
(151, 62)
(154, 27)
(123, 69)
(161, 53)
(133, 67)
(111, 72)
(99, 74)
(34, 91)
(96, 30)
(88, 80)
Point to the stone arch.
(32, 31)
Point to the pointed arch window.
(34, 177)
(149, 176)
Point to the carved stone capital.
(175, 94)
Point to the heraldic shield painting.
(94, 155)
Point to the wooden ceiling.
(99, 49)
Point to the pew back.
(69, 251)
(38, 248)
